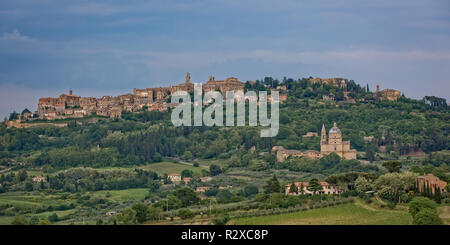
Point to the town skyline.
(106, 47)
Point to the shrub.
(427, 216)
(222, 219)
(185, 213)
(211, 192)
(420, 203)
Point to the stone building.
(302, 188)
(387, 94)
(229, 84)
(432, 182)
(52, 108)
(335, 143)
(283, 154)
(310, 134)
(186, 86)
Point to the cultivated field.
(348, 214)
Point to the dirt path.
(363, 205)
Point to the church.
(335, 143)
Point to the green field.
(171, 167)
(122, 196)
(25, 200)
(347, 214)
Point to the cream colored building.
(326, 189)
(335, 143)
(176, 178)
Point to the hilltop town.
(75, 106)
(70, 105)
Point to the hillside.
(86, 163)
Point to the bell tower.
(323, 136)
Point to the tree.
(293, 188)
(141, 212)
(437, 194)
(250, 190)
(211, 192)
(393, 166)
(272, 185)
(420, 203)
(126, 217)
(370, 152)
(185, 213)
(395, 184)
(13, 116)
(186, 173)
(222, 219)
(153, 186)
(314, 185)
(22, 175)
(427, 217)
(187, 155)
(187, 196)
(154, 213)
(362, 184)
(224, 196)
(28, 186)
(214, 170)
(53, 218)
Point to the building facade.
(302, 188)
(432, 182)
(335, 143)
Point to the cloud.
(15, 35)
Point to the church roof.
(335, 129)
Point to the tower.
(188, 77)
(335, 135)
(323, 138)
(323, 135)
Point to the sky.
(110, 47)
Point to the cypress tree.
(437, 194)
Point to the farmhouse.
(174, 177)
(326, 189)
(39, 179)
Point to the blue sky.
(110, 47)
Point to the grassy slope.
(347, 214)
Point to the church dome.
(335, 129)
